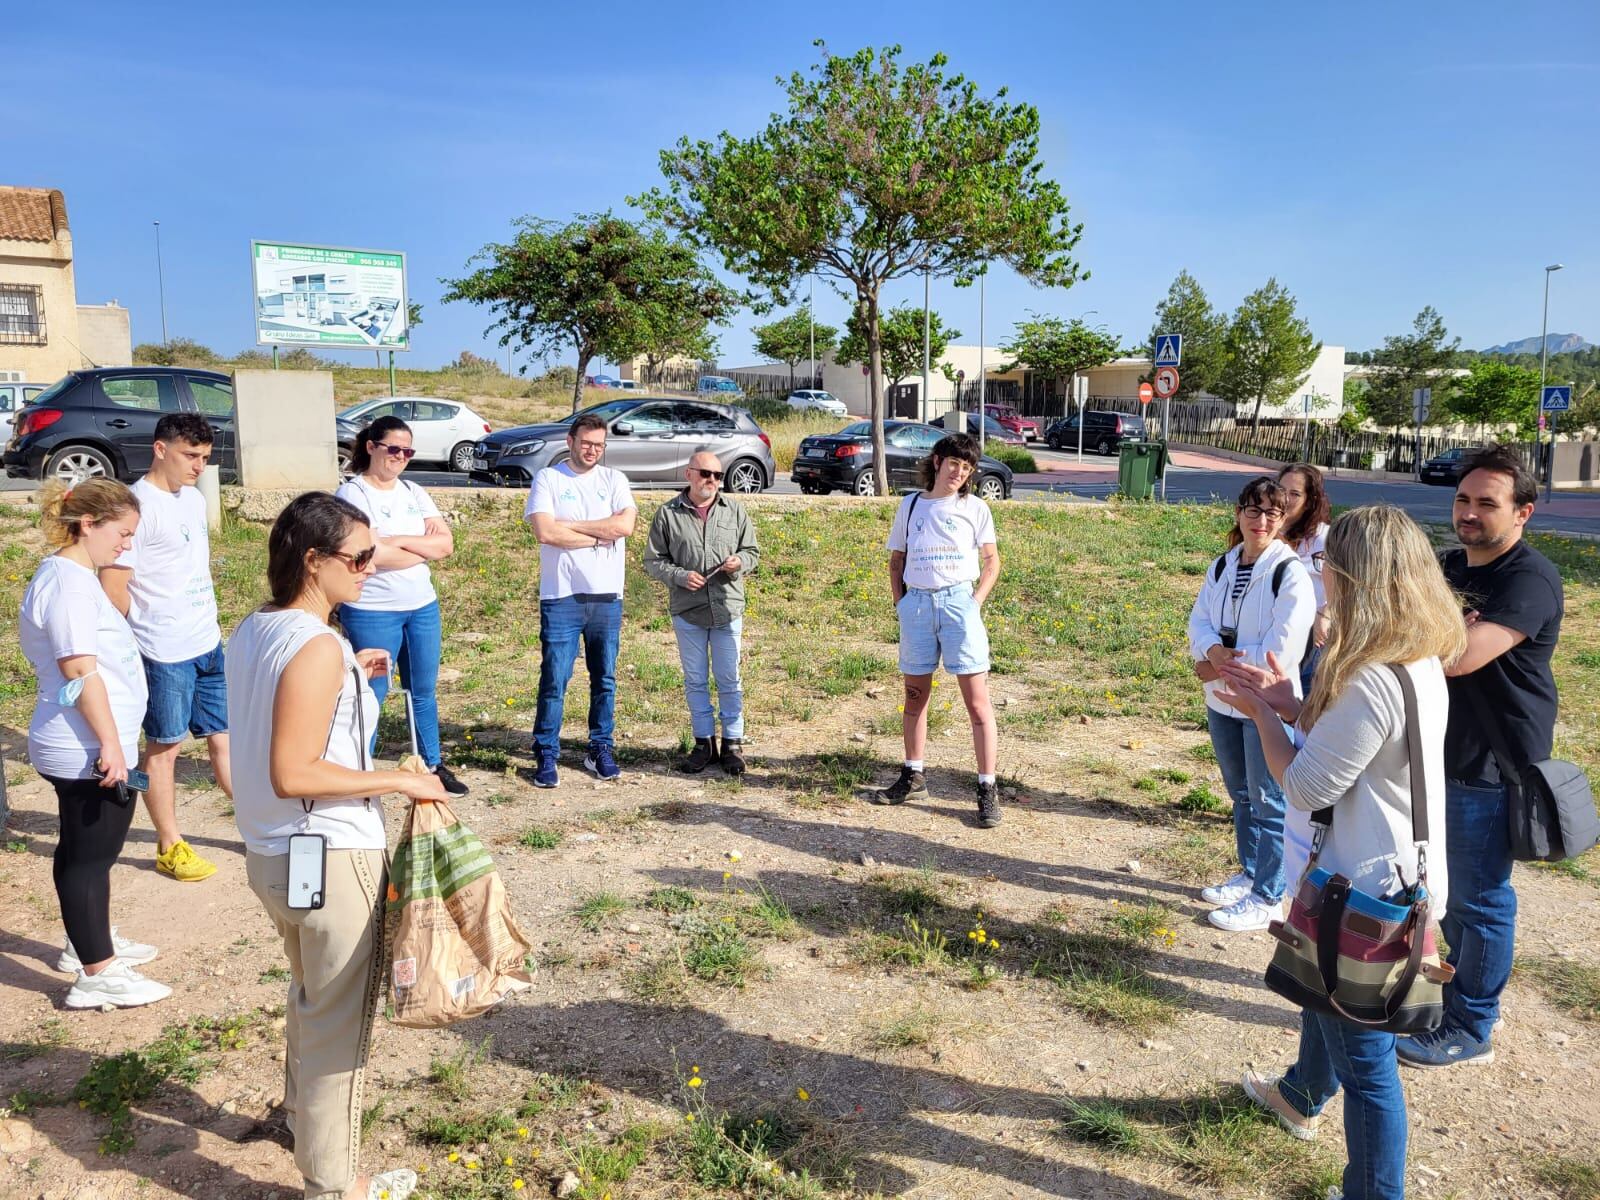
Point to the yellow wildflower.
(454, 1156)
(802, 1094)
(695, 1082)
(522, 1131)
(517, 1185)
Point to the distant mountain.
(1556, 343)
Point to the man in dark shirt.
(1513, 600)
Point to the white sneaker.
(1231, 892)
(119, 985)
(1244, 915)
(135, 954)
(392, 1185)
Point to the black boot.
(732, 756)
(701, 757)
(911, 785)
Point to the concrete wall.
(284, 424)
(104, 335)
(47, 266)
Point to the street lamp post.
(811, 325)
(161, 284)
(926, 277)
(981, 421)
(1544, 356)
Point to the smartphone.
(308, 868)
(137, 781)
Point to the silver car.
(648, 439)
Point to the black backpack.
(1277, 573)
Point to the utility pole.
(811, 323)
(925, 310)
(161, 284)
(981, 422)
(1544, 355)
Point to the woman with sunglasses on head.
(1350, 755)
(399, 611)
(1255, 600)
(301, 711)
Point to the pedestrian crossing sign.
(1169, 349)
(1557, 398)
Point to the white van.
(12, 397)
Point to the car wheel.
(1104, 447)
(992, 488)
(461, 457)
(73, 464)
(345, 453)
(746, 476)
(865, 484)
(1053, 442)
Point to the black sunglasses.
(356, 562)
(705, 474)
(405, 452)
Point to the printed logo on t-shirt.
(183, 528)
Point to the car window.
(389, 408)
(923, 438)
(212, 397)
(700, 419)
(607, 411)
(858, 429)
(151, 393)
(429, 410)
(650, 418)
(905, 437)
(7, 398)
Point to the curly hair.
(953, 445)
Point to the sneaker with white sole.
(392, 1185)
(1231, 892)
(1264, 1090)
(135, 954)
(118, 985)
(1246, 915)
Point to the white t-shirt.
(941, 545)
(402, 510)
(258, 653)
(65, 613)
(173, 606)
(598, 493)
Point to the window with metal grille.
(21, 315)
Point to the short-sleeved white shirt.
(172, 603)
(942, 541)
(598, 493)
(66, 613)
(1315, 544)
(396, 512)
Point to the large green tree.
(1058, 349)
(876, 172)
(1497, 393)
(1187, 310)
(791, 338)
(900, 341)
(1408, 361)
(599, 286)
(1270, 349)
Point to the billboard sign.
(329, 297)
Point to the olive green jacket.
(680, 542)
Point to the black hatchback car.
(1444, 469)
(842, 461)
(103, 422)
(1103, 432)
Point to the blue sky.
(1374, 157)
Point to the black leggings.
(94, 825)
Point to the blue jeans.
(1335, 1053)
(1308, 669)
(412, 640)
(1481, 911)
(1257, 802)
(188, 698)
(561, 623)
(702, 652)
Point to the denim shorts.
(946, 622)
(188, 698)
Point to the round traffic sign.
(1146, 393)
(1166, 379)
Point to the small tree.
(1409, 361)
(877, 172)
(598, 285)
(789, 339)
(1269, 351)
(676, 333)
(900, 338)
(1497, 393)
(1186, 310)
(1058, 349)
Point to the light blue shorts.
(944, 623)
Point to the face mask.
(67, 697)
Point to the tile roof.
(31, 214)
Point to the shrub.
(1015, 457)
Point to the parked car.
(993, 431)
(649, 440)
(442, 431)
(12, 397)
(1103, 432)
(1445, 468)
(102, 422)
(718, 387)
(842, 462)
(1028, 428)
(811, 400)
(628, 385)
(601, 381)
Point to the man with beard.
(1501, 690)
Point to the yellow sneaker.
(183, 864)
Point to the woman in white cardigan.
(1388, 603)
(1255, 600)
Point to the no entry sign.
(1146, 393)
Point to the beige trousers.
(335, 966)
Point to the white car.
(442, 431)
(12, 397)
(814, 401)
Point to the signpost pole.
(1168, 353)
(1082, 386)
(274, 358)
(391, 373)
(1166, 441)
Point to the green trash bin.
(1139, 465)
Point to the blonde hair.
(65, 508)
(1388, 602)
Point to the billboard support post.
(391, 373)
